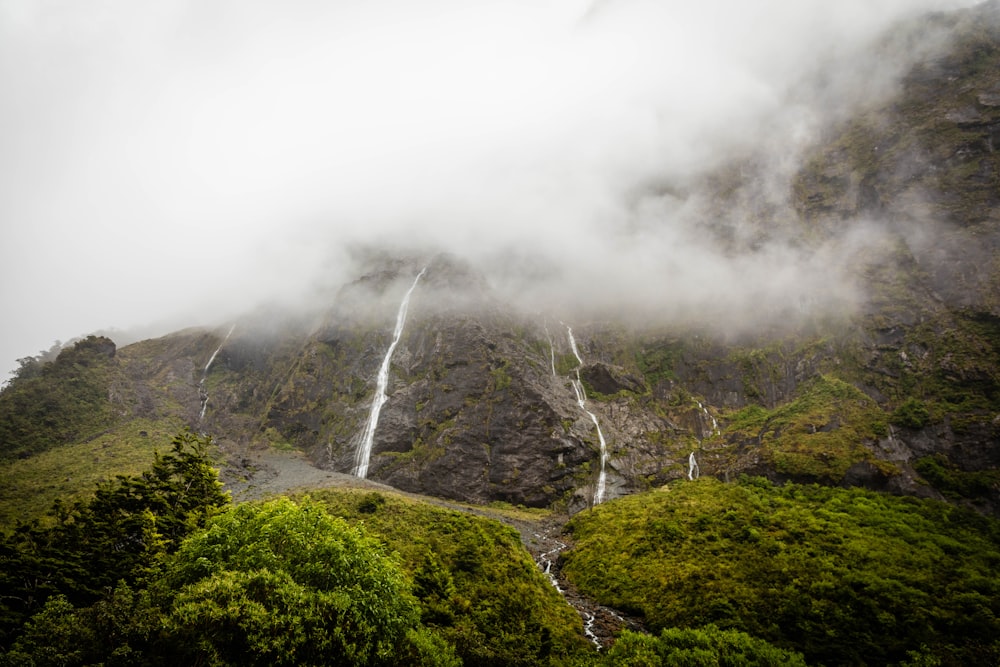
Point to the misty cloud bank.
(181, 162)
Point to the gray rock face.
(609, 380)
(475, 416)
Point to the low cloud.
(181, 162)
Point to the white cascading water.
(572, 345)
(204, 374)
(552, 351)
(693, 471)
(715, 423)
(364, 452)
(581, 399)
(588, 630)
(546, 559)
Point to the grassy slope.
(30, 486)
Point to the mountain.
(846, 430)
(900, 392)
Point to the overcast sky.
(178, 162)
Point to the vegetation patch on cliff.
(820, 434)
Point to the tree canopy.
(286, 584)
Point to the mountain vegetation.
(58, 403)
(846, 576)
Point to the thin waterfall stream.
(581, 399)
(364, 452)
(600, 624)
(693, 469)
(552, 351)
(204, 375)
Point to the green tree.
(121, 534)
(844, 576)
(114, 631)
(285, 584)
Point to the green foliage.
(911, 414)
(476, 585)
(500, 377)
(750, 419)
(657, 363)
(278, 583)
(697, 647)
(121, 534)
(842, 576)
(953, 482)
(819, 434)
(116, 630)
(59, 402)
(566, 363)
(285, 584)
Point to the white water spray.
(572, 345)
(581, 399)
(693, 471)
(364, 452)
(204, 375)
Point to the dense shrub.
(843, 576)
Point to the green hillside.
(845, 576)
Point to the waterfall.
(552, 351)
(204, 374)
(572, 345)
(368, 437)
(581, 399)
(715, 423)
(693, 470)
(545, 560)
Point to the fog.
(175, 163)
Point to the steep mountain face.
(480, 399)
(902, 394)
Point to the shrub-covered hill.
(478, 587)
(741, 573)
(843, 576)
(60, 402)
(157, 568)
